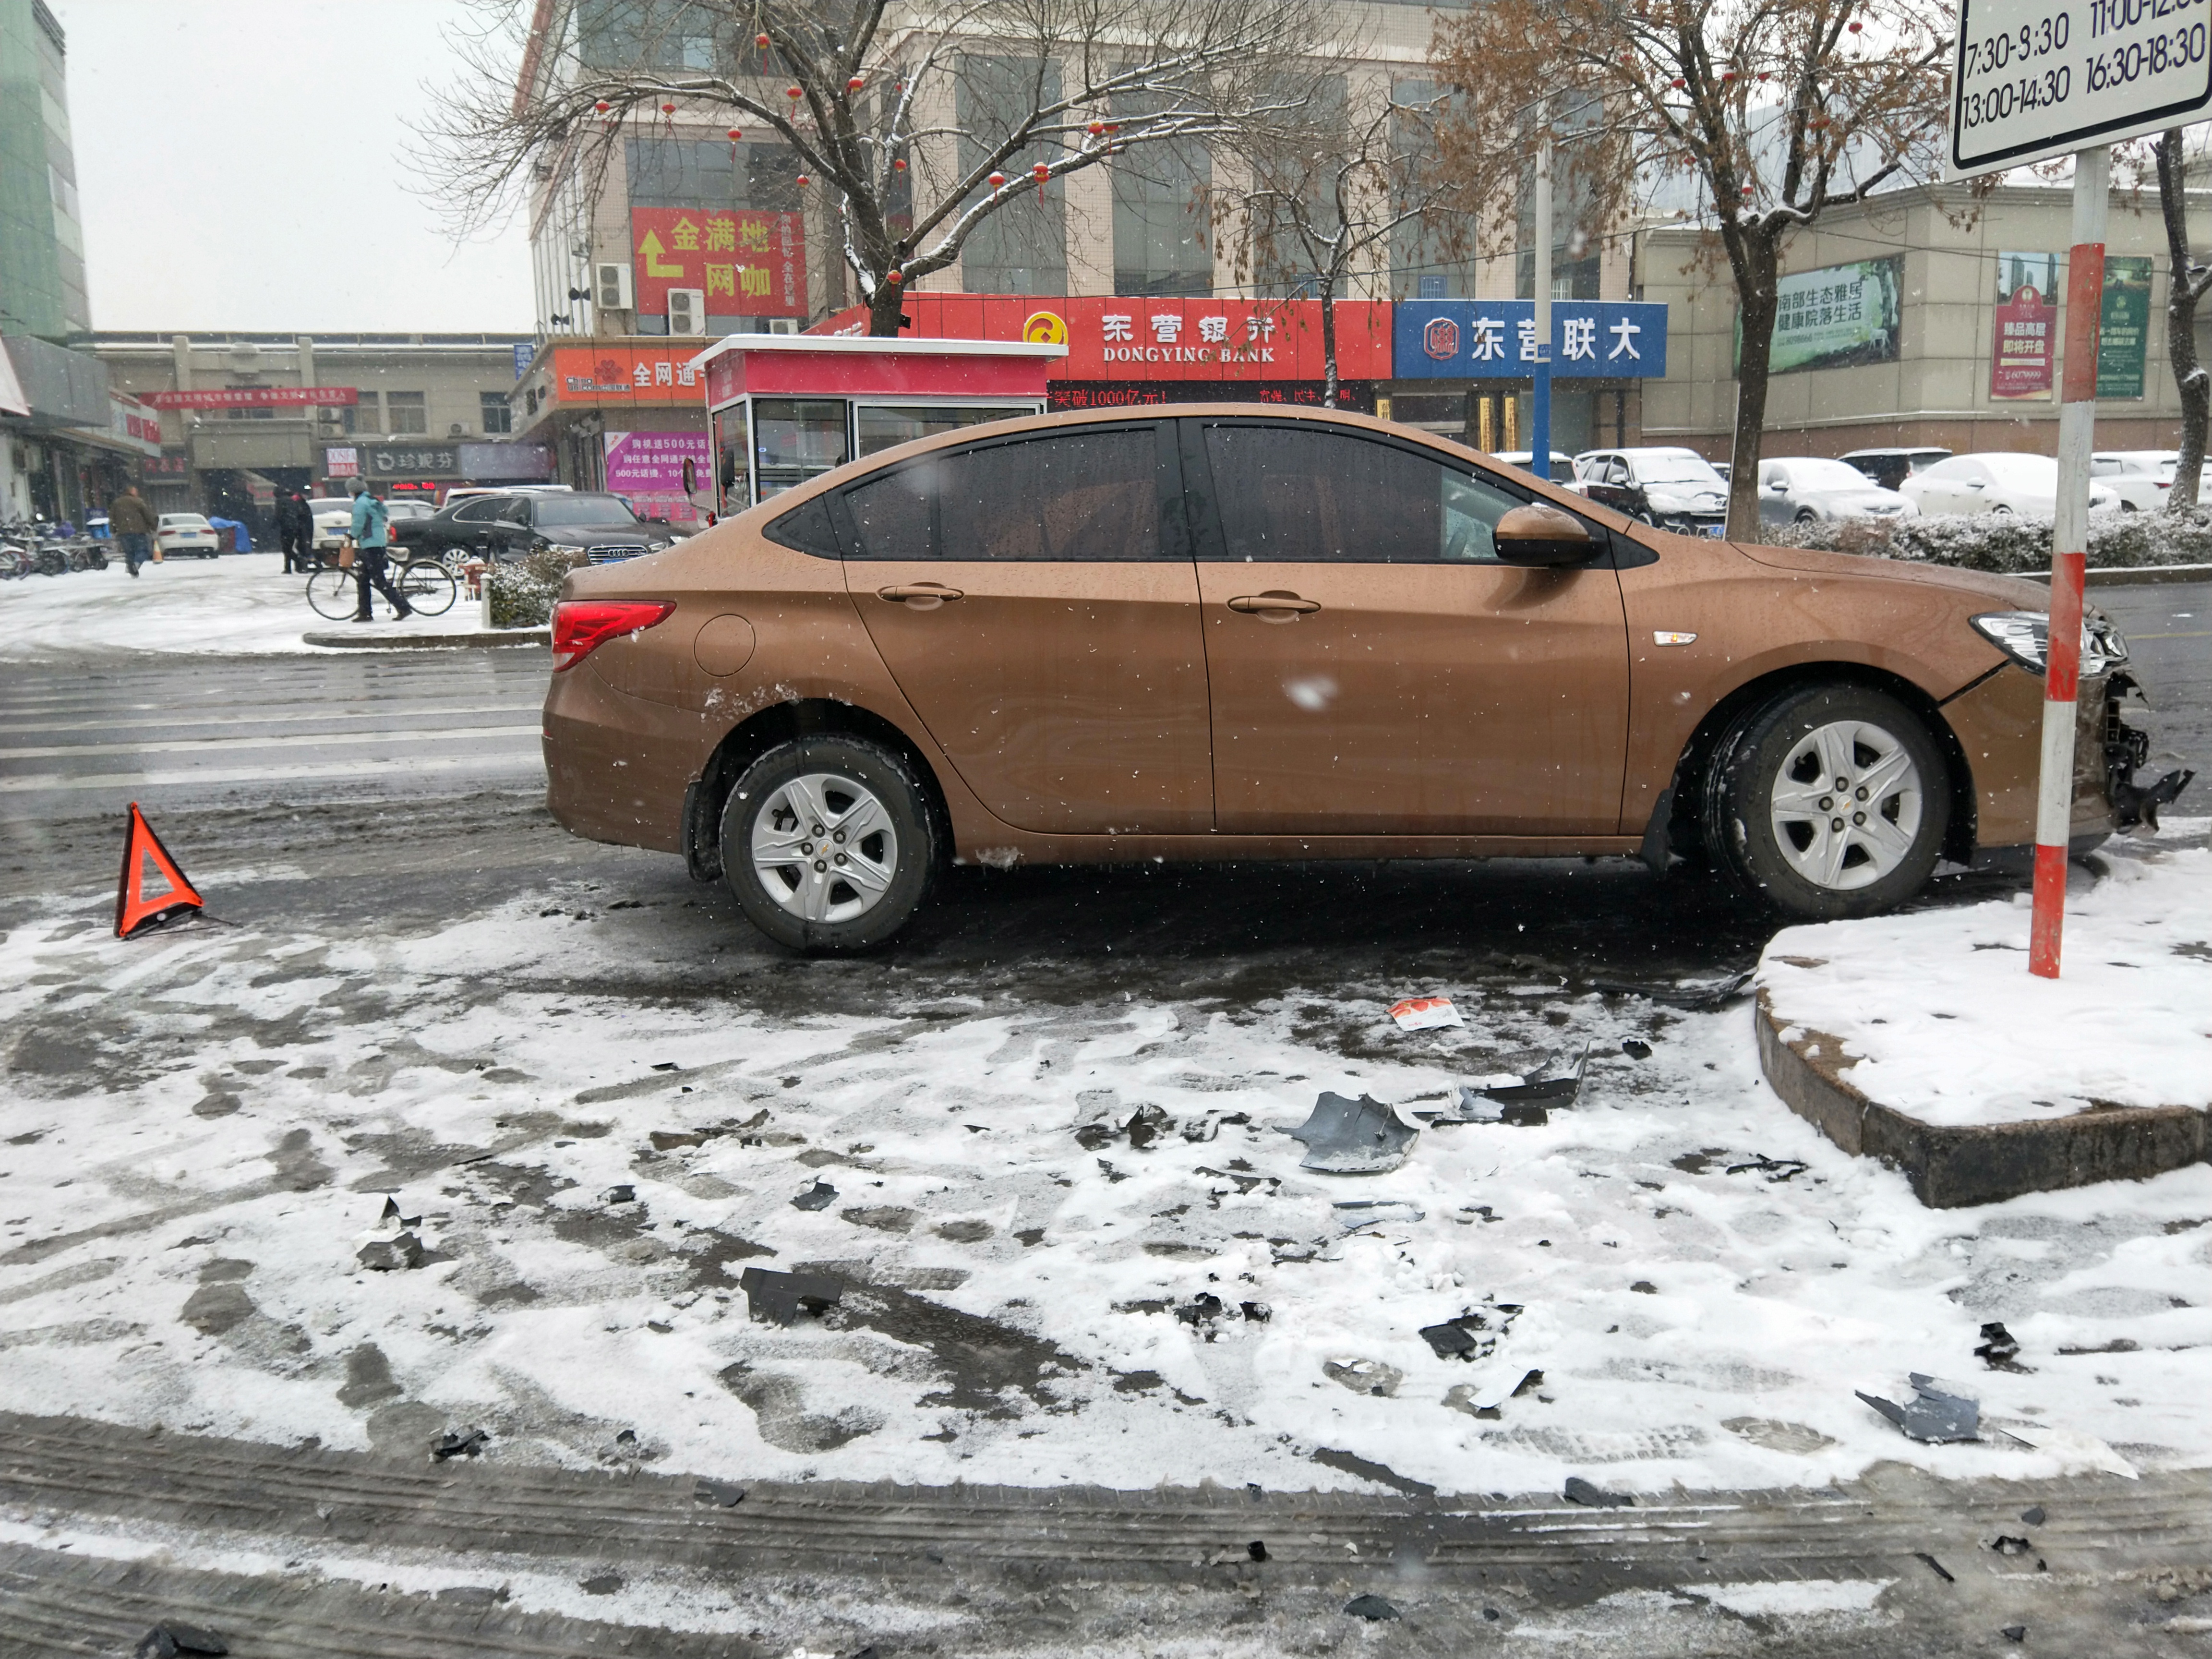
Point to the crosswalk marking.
(226, 745)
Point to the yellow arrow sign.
(652, 249)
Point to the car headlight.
(2025, 636)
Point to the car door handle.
(925, 596)
(1275, 607)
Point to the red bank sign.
(1121, 337)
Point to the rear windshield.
(329, 504)
(557, 510)
(1673, 468)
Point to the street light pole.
(1539, 404)
(2069, 544)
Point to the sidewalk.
(240, 604)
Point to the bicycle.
(428, 587)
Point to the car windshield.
(555, 511)
(1683, 468)
(1825, 475)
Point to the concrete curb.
(1978, 1164)
(430, 641)
(2138, 575)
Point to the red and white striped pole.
(2069, 558)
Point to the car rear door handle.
(925, 596)
(1275, 607)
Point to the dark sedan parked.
(601, 527)
(1674, 489)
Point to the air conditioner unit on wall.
(610, 286)
(456, 430)
(687, 311)
(783, 324)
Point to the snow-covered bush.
(2010, 545)
(522, 595)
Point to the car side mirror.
(1543, 537)
(1779, 485)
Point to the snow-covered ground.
(202, 1127)
(2127, 1023)
(242, 603)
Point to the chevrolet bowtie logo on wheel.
(1045, 328)
(1440, 339)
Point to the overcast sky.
(239, 167)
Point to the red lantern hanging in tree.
(895, 277)
(1040, 172)
(856, 83)
(996, 181)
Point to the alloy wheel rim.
(823, 847)
(1846, 804)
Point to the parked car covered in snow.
(2143, 478)
(1890, 468)
(1673, 489)
(1804, 490)
(1999, 482)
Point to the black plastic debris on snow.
(1353, 1137)
(820, 1196)
(2005, 1544)
(1203, 1307)
(1999, 1348)
(1373, 1608)
(783, 1296)
(169, 1639)
(1774, 1169)
(718, 1494)
(1143, 1126)
(391, 1213)
(458, 1442)
(1697, 998)
(1474, 1335)
(624, 1194)
(2034, 1515)
(2014, 1632)
(393, 1254)
(1935, 1566)
(1932, 1414)
(1579, 1490)
(1356, 1212)
(1636, 1048)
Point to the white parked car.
(1994, 483)
(2142, 478)
(333, 521)
(1806, 488)
(179, 533)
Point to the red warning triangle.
(135, 907)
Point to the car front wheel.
(829, 844)
(1830, 801)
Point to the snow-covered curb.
(1938, 1017)
(2008, 544)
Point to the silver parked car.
(1804, 490)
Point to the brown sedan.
(1229, 631)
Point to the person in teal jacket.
(371, 540)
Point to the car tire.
(864, 799)
(1806, 515)
(1782, 833)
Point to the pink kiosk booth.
(785, 408)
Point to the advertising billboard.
(747, 264)
(626, 374)
(647, 468)
(1836, 316)
(2124, 326)
(2026, 330)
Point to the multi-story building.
(66, 444)
(244, 414)
(674, 231)
(1922, 318)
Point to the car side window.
(1314, 495)
(482, 510)
(1086, 496)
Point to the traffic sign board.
(2036, 78)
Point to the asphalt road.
(2169, 631)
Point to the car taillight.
(582, 626)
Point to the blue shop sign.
(1495, 339)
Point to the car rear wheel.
(829, 844)
(1830, 801)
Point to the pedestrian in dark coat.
(133, 523)
(295, 529)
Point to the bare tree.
(1777, 110)
(921, 120)
(1322, 195)
(2186, 281)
